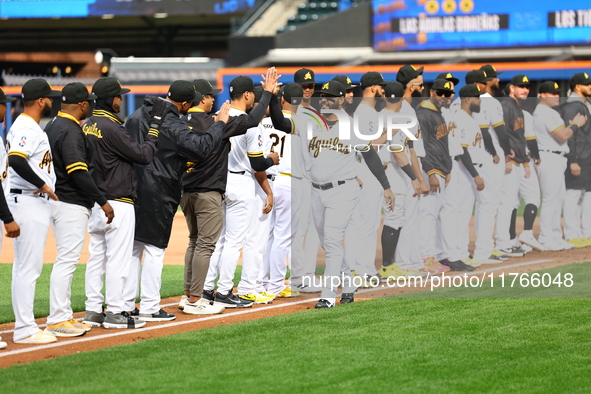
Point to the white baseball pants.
(553, 187)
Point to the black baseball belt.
(327, 186)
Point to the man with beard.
(514, 122)
(437, 165)
(471, 180)
(577, 202)
(552, 135)
(412, 79)
(491, 72)
(159, 190)
(111, 245)
(32, 182)
(77, 193)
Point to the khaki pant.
(204, 213)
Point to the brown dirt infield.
(99, 338)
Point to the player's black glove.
(158, 113)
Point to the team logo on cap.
(447, 85)
(348, 80)
(413, 67)
(119, 83)
(524, 79)
(484, 72)
(477, 88)
(449, 75)
(555, 85)
(586, 76)
(326, 86)
(209, 84)
(308, 75)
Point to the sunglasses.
(310, 86)
(441, 93)
(420, 85)
(328, 98)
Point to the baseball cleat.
(322, 303)
(492, 260)
(553, 246)
(209, 295)
(183, 302)
(82, 326)
(347, 298)
(565, 244)
(586, 241)
(434, 266)
(122, 320)
(457, 265)
(3, 344)
(64, 329)
(231, 301)
(288, 293)
(526, 248)
(369, 281)
(577, 242)
(38, 338)
(203, 307)
(422, 272)
(501, 256)
(527, 238)
(513, 251)
(93, 319)
(257, 298)
(161, 315)
(394, 271)
(471, 262)
(307, 289)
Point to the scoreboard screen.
(400, 25)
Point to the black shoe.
(209, 295)
(457, 265)
(322, 303)
(134, 313)
(231, 301)
(160, 316)
(347, 298)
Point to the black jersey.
(433, 129)
(513, 115)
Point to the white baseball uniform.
(32, 213)
(239, 207)
(550, 171)
(4, 177)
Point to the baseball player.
(515, 125)
(402, 178)
(287, 192)
(77, 193)
(306, 241)
(552, 136)
(159, 190)
(11, 227)
(412, 79)
(245, 158)
(577, 203)
(111, 245)
(202, 202)
(529, 188)
(32, 179)
(335, 191)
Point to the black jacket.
(513, 115)
(115, 152)
(159, 183)
(434, 131)
(579, 144)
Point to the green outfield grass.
(388, 345)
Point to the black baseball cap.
(38, 88)
(4, 99)
(345, 81)
(549, 87)
(204, 87)
(293, 93)
(477, 76)
(334, 88)
(304, 76)
(108, 87)
(258, 93)
(408, 73)
(470, 91)
(181, 91)
(372, 78)
(241, 85)
(443, 85)
(449, 77)
(394, 89)
(580, 79)
(520, 80)
(491, 71)
(76, 92)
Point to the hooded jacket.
(579, 144)
(159, 183)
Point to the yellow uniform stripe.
(464, 145)
(21, 154)
(284, 174)
(79, 163)
(498, 124)
(436, 172)
(258, 154)
(76, 169)
(530, 138)
(124, 199)
(556, 129)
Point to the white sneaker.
(527, 238)
(553, 246)
(39, 338)
(3, 344)
(566, 245)
(202, 307)
(183, 302)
